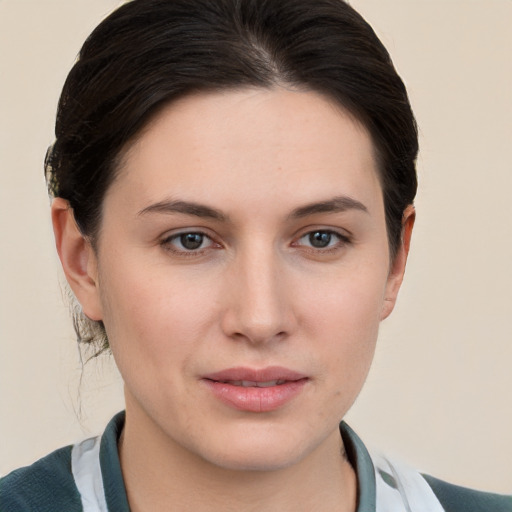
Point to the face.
(242, 271)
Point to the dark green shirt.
(49, 485)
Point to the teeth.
(266, 384)
(253, 384)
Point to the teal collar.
(362, 463)
(115, 493)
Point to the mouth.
(251, 390)
(254, 384)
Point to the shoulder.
(461, 499)
(46, 485)
(88, 472)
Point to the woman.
(233, 186)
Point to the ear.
(78, 259)
(396, 273)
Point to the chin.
(257, 460)
(257, 451)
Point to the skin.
(256, 293)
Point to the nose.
(259, 305)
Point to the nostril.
(256, 336)
(258, 317)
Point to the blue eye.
(188, 242)
(322, 239)
(191, 241)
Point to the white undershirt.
(399, 488)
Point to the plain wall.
(439, 395)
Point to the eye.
(323, 239)
(192, 241)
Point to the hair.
(149, 53)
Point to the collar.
(115, 493)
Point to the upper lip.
(267, 374)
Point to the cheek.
(154, 316)
(348, 302)
(346, 316)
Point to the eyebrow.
(185, 207)
(335, 205)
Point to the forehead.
(251, 142)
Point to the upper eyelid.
(172, 237)
(344, 240)
(167, 243)
(175, 233)
(341, 232)
(330, 231)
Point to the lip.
(268, 397)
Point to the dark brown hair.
(148, 53)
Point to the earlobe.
(77, 257)
(396, 273)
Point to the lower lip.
(253, 399)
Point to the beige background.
(439, 395)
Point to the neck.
(160, 474)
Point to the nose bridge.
(259, 310)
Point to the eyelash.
(168, 242)
(343, 241)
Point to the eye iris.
(191, 241)
(320, 239)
